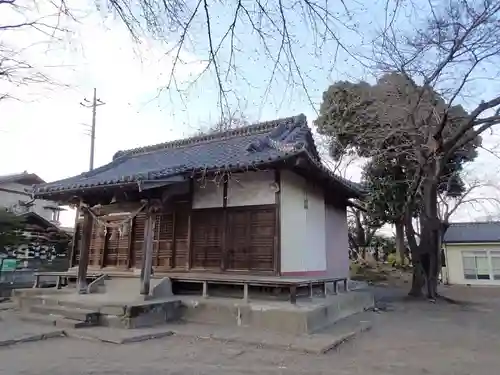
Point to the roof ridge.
(18, 176)
(252, 129)
(24, 173)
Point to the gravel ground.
(14, 330)
(412, 338)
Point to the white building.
(472, 253)
(15, 196)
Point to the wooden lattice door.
(207, 238)
(250, 239)
(117, 245)
(163, 243)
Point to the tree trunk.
(418, 278)
(426, 260)
(400, 241)
(434, 242)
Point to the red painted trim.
(304, 273)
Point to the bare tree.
(474, 196)
(446, 56)
(421, 121)
(223, 33)
(362, 230)
(342, 166)
(235, 120)
(46, 25)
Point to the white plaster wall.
(9, 198)
(455, 267)
(337, 243)
(244, 189)
(315, 253)
(207, 195)
(251, 188)
(302, 229)
(293, 222)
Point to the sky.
(46, 131)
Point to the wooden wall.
(230, 226)
(243, 241)
(232, 238)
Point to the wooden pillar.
(190, 247)
(104, 252)
(74, 244)
(131, 240)
(245, 292)
(147, 254)
(293, 294)
(277, 226)
(173, 263)
(223, 259)
(84, 251)
(205, 289)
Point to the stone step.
(83, 315)
(54, 320)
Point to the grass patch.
(366, 272)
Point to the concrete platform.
(307, 316)
(120, 307)
(108, 309)
(318, 343)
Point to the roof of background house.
(31, 217)
(70, 230)
(22, 178)
(38, 218)
(473, 232)
(242, 148)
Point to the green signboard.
(9, 264)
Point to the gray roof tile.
(23, 177)
(245, 147)
(473, 232)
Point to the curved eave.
(348, 187)
(64, 193)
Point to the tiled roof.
(473, 232)
(29, 178)
(244, 147)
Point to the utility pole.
(87, 220)
(94, 104)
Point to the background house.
(472, 252)
(36, 245)
(15, 198)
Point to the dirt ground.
(411, 338)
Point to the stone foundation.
(120, 307)
(305, 317)
(143, 315)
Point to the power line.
(94, 104)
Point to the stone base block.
(305, 317)
(140, 315)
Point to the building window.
(481, 265)
(495, 264)
(476, 265)
(54, 215)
